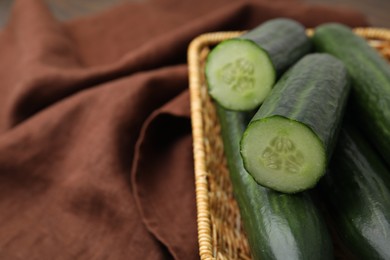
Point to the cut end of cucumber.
(239, 74)
(283, 154)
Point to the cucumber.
(278, 226)
(289, 140)
(357, 195)
(370, 74)
(240, 72)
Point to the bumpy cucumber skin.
(284, 40)
(357, 193)
(278, 226)
(370, 74)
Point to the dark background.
(377, 11)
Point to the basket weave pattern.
(220, 231)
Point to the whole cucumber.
(370, 74)
(278, 225)
(357, 193)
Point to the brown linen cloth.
(95, 137)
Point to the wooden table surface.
(377, 11)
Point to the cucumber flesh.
(290, 157)
(242, 79)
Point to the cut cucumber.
(278, 226)
(241, 72)
(289, 140)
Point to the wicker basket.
(220, 232)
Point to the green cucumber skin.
(370, 74)
(278, 226)
(356, 190)
(314, 92)
(284, 40)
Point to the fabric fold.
(165, 140)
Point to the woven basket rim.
(201, 172)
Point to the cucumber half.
(290, 157)
(241, 72)
(290, 139)
(242, 79)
